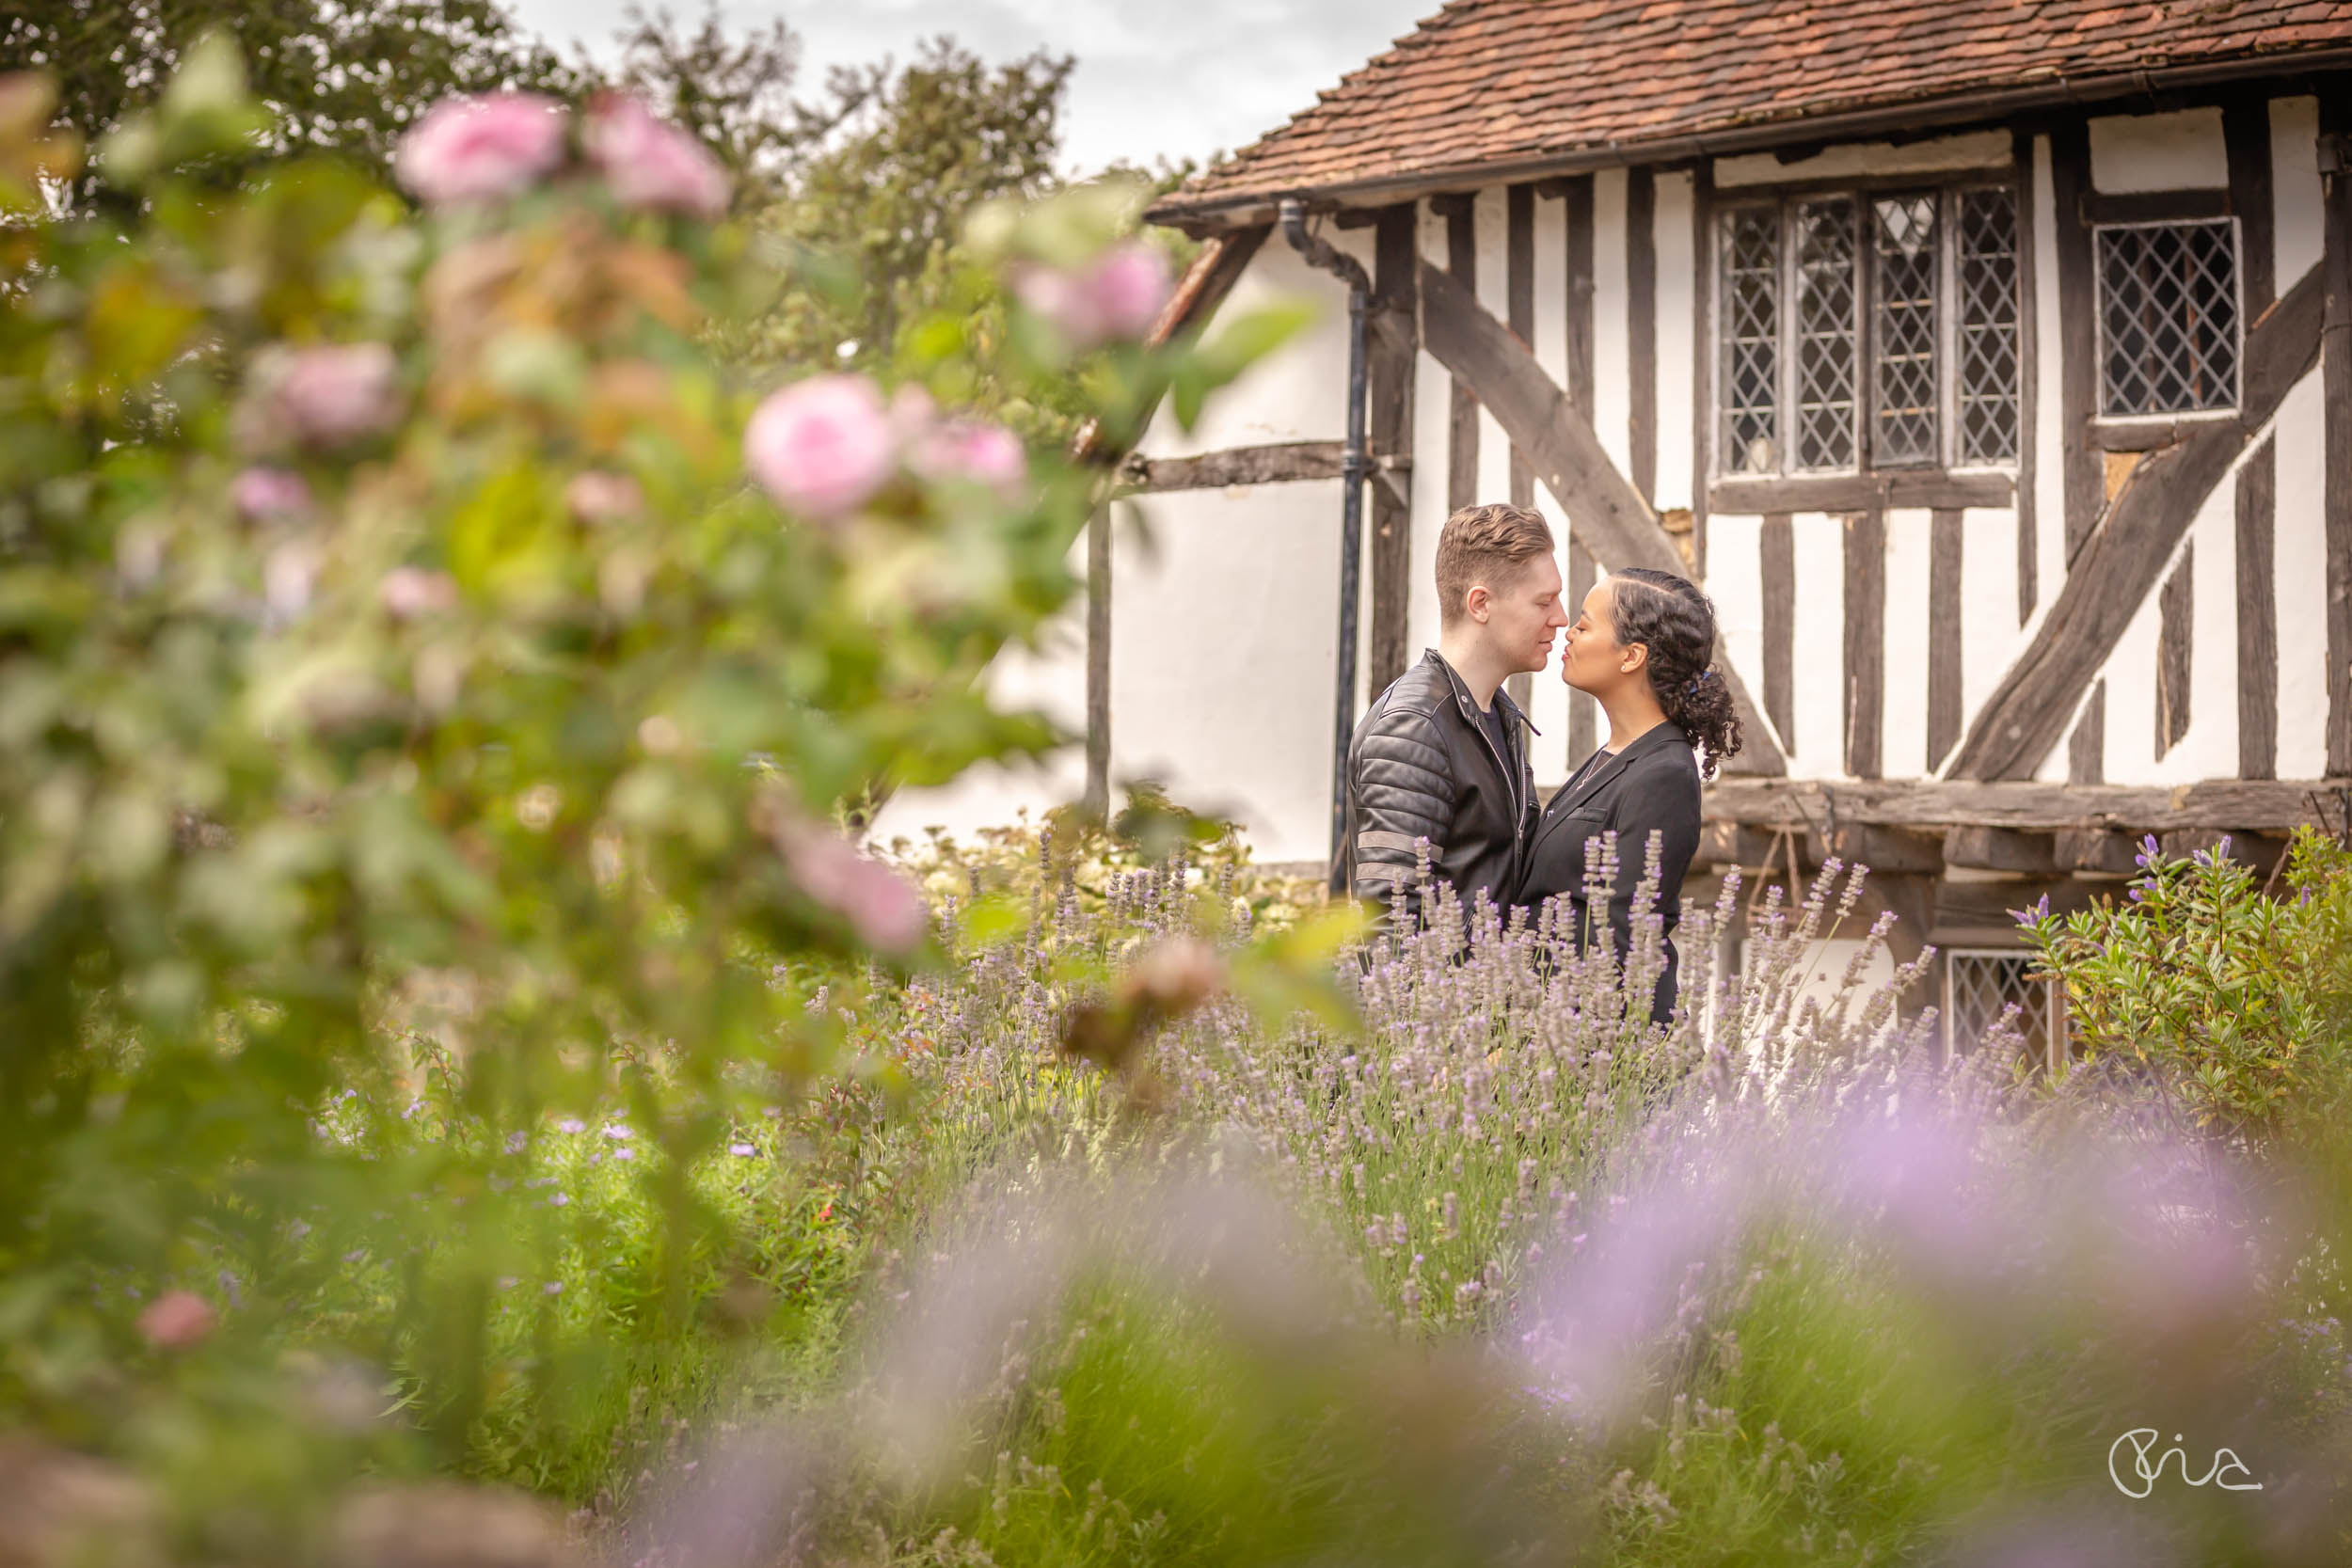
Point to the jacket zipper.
(1510, 785)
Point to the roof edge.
(1257, 207)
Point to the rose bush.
(418, 644)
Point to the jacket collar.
(1461, 692)
(1668, 733)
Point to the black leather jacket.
(1652, 787)
(1422, 765)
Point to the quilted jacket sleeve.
(1403, 790)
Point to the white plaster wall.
(1817, 646)
(1051, 679)
(2301, 561)
(2049, 425)
(1989, 640)
(1549, 708)
(1903, 740)
(1222, 657)
(1675, 301)
(1735, 581)
(1433, 391)
(1971, 149)
(2297, 207)
(1297, 393)
(2181, 149)
(1612, 371)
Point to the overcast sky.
(1182, 79)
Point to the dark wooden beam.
(1461, 442)
(1981, 913)
(1864, 704)
(1722, 842)
(1392, 354)
(1777, 554)
(1577, 214)
(1281, 463)
(2335, 129)
(1861, 492)
(2000, 849)
(2258, 617)
(2114, 572)
(2182, 206)
(1640, 302)
(2246, 136)
(1518, 292)
(2226, 805)
(2176, 623)
(1943, 650)
(2087, 745)
(1887, 851)
(1601, 505)
(2094, 849)
(2077, 327)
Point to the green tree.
(732, 93)
(335, 76)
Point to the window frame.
(2099, 415)
(1948, 188)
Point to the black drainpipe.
(1354, 467)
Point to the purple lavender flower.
(516, 1142)
(2034, 913)
(742, 1150)
(571, 1124)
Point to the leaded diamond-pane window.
(1904, 261)
(1826, 393)
(1986, 261)
(2168, 317)
(1864, 332)
(1978, 987)
(1751, 324)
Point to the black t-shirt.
(1499, 730)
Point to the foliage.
(2236, 998)
(391, 647)
(735, 94)
(340, 77)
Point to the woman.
(1642, 647)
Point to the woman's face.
(1594, 660)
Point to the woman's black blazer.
(1651, 786)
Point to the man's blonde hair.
(1490, 545)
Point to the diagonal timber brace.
(1609, 515)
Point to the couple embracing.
(1442, 752)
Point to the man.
(1442, 753)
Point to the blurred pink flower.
(175, 1320)
(1130, 286)
(408, 591)
(649, 163)
(822, 446)
(322, 396)
(481, 149)
(883, 907)
(262, 492)
(1118, 294)
(597, 496)
(974, 450)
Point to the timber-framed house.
(1990, 363)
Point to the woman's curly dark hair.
(1671, 617)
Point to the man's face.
(1524, 618)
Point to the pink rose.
(975, 451)
(883, 907)
(1118, 294)
(481, 149)
(409, 592)
(323, 396)
(648, 163)
(1130, 286)
(260, 492)
(822, 446)
(175, 1320)
(594, 496)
